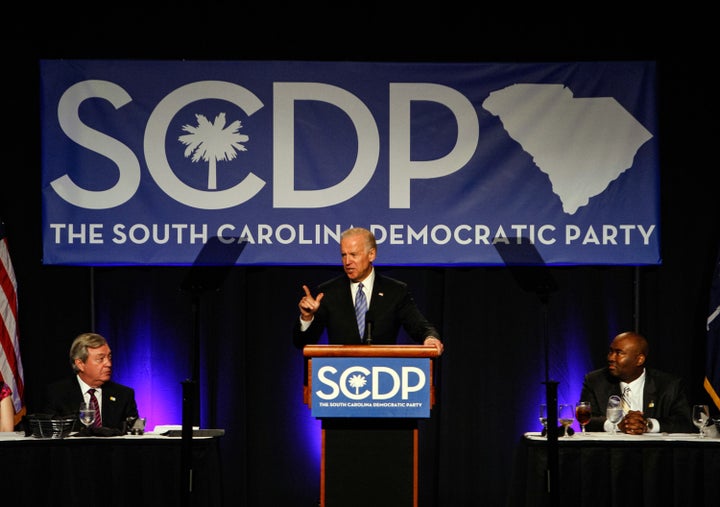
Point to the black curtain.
(489, 379)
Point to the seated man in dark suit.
(653, 400)
(91, 360)
(387, 302)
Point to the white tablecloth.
(711, 436)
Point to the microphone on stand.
(369, 318)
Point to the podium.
(369, 399)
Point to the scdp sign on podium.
(369, 398)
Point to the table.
(600, 469)
(116, 471)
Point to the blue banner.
(370, 387)
(143, 162)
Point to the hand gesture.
(308, 304)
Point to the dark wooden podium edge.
(370, 351)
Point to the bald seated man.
(656, 401)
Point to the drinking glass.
(543, 417)
(582, 413)
(86, 414)
(700, 416)
(614, 411)
(566, 415)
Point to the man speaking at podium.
(363, 306)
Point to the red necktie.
(96, 406)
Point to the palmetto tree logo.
(211, 142)
(357, 381)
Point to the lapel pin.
(112, 398)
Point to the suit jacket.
(118, 402)
(664, 399)
(391, 307)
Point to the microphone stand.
(551, 400)
(530, 272)
(207, 274)
(368, 324)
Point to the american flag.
(10, 364)
(712, 370)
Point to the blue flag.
(712, 370)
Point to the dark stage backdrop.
(489, 379)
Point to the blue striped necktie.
(360, 309)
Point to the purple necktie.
(360, 309)
(96, 406)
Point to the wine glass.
(87, 414)
(614, 411)
(543, 417)
(700, 416)
(582, 413)
(566, 415)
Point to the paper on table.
(164, 428)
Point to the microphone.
(369, 321)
